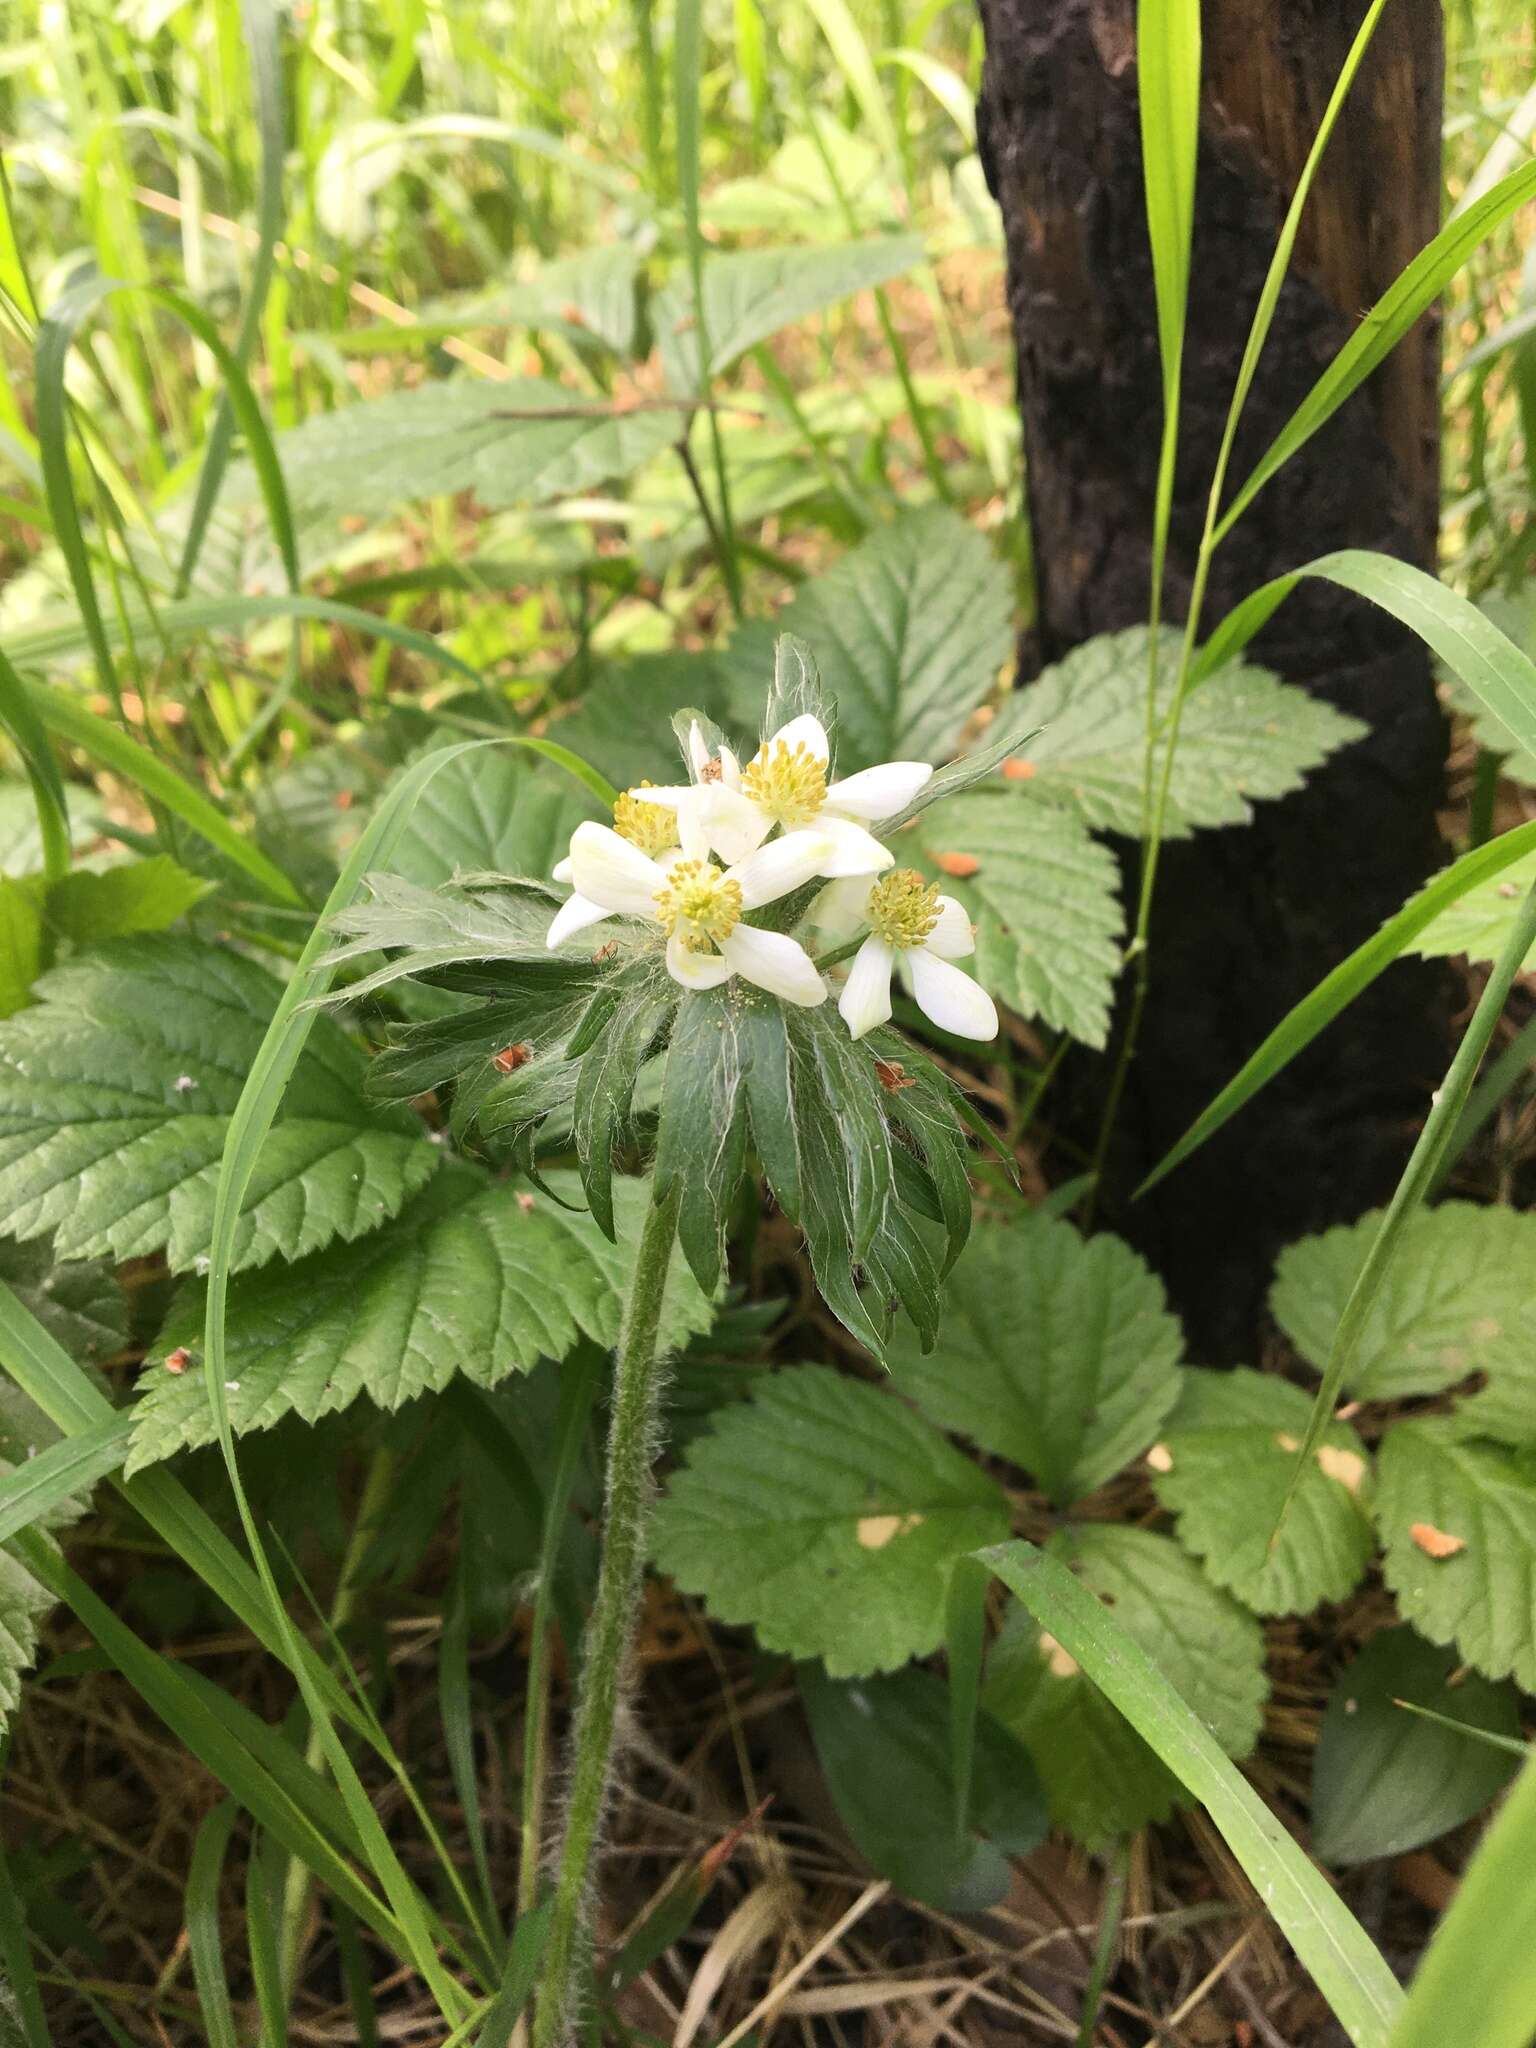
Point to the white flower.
(699, 906)
(916, 930)
(730, 810)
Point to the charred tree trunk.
(1246, 920)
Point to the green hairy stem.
(610, 1631)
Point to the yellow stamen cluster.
(902, 908)
(651, 827)
(789, 783)
(698, 904)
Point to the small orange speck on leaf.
(1018, 771)
(1435, 1542)
(875, 1531)
(1347, 1467)
(344, 799)
(525, 1203)
(958, 864)
(1160, 1458)
(893, 1076)
(178, 1360)
(606, 952)
(511, 1057)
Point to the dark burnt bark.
(1247, 920)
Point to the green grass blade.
(46, 1374)
(205, 1731)
(1503, 1077)
(111, 748)
(1490, 1738)
(261, 35)
(1480, 1968)
(263, 1890)
(1395, 312)
(1439, 1128)
(1345, 1964)
(687, 58)
(1494, 669)
(1337, 990)
(71, 1466)
(291, 1024)
(16, 1965)
(527, 1952)
(851, 53)
(205, 1942)
(1168, 99)
(19, 719)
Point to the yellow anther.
(698, 904)
(789, 783)
(651, 827)
(902, 908)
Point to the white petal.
(562, 869)
(854, 851)
(780, 866)
(803, 731)
(866, 997)
(730, 768)
(954, 935)
(876, 793)
(776, 962)
(696, 970)
(732, 823)
(671, 796)
(840, 909)
(572, 915)
(691, 828)
(606, 868)
(949, 996)
(698, 752)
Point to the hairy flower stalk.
(609, 1641)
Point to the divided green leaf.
(1100, 1777)
(1456, 1302)
(1043, 895)
(828, 1517)
(493, 812)
(1058, 1353)
(115, 1095)
(1385, 1780)
(472, 1279)
(1223, 1468)
(1458, 1523)
(1245, 736)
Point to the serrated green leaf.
(1481, 923)
(604, 1085)
(472, 1278)
(1226, 1458)
(623, 722)
(1058, 1352)
(81, 1306)
(749, 294)
(911, 630)
(874, 1733)
(1043, 895)
(1482, 1595)
(1457, 1301)
(1245, 736)
(827, 1516)
(1100, 1777)
(521, 442)
(424, 931)
(115, 1094)
(23, 1605)
(495, 812)
(88, 907)
(590, 292)
(1384, 1780)
(21, 940)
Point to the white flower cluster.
(695, 859)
